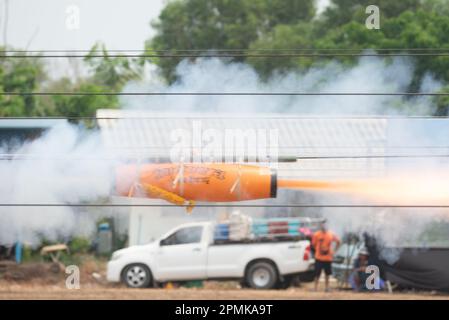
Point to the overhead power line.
(176, 116)
(224, 94)
(385, 206)
(14, 157)
(227, 53)
(229, 50)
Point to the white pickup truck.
(188, 252)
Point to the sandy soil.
(41, 281)
(38, 291)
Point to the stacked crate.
(276, 227)
(239, 227)
(236, 228)
(221, 232)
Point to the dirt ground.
(24, 291)
(45, 281)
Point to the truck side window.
(184, 236)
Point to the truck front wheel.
(137, 276)
(261, 275)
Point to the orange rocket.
(185, 183)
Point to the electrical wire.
(12, 156)
(226, 50)
(436, 94)
(228, 53)
(176, 116)
(221, 205)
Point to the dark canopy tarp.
(420, 268)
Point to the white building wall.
(149, 223)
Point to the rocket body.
(210, 182)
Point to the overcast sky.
(42, 24)
(53, 24)
(49, 24)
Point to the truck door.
(182, 255)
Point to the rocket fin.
(168, 196)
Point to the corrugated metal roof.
(29, 123)
(143, 134)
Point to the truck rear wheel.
(261, 275)
(136, 276)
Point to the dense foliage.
(247, 26)
(24, 75)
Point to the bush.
(79, 245)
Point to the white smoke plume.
(65, 165)
(69, 180)
(213, 75)
(400, 227)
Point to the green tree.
(410, 30)
(82, 105)
(208, 25)
(281, 37)
(413, 28)
(442, 102)
(341, 12)
(20, 75)
(111, 72)
(24, 75)
(107, 74)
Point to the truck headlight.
(116, 256)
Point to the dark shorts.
(323, 265)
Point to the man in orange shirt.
(322, 241)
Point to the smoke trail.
(368, 75)
(60, 167)
(214, 75)
(69, 180)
